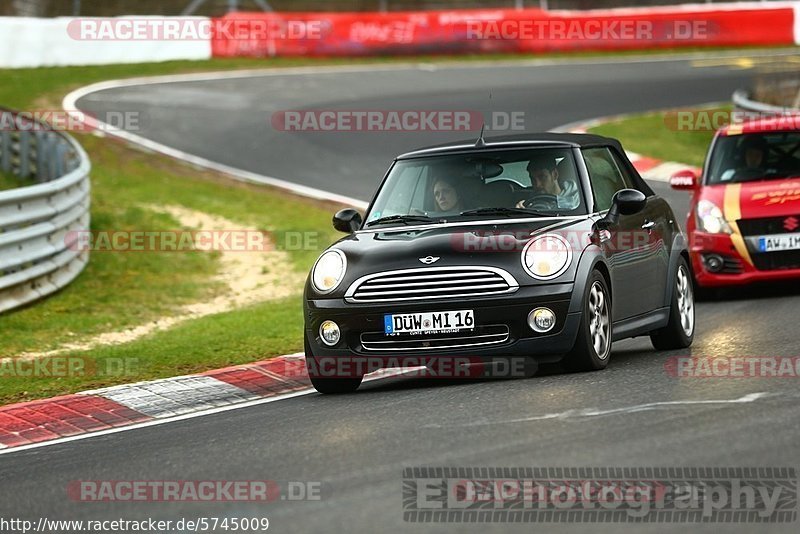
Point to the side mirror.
(347, 220)
(684, 180)
(625, 202)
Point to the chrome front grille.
(481, 336)
(431, 283)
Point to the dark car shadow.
(420, 380)
(756, 291)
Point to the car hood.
(494, 245)
(755, 200)
(770, 198)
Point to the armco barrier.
(36, 257)
(503, 30)
(742, 102)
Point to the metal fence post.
(5, 150)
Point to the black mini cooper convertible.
(540, 247)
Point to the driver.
(755, 153)
(548, 191)
(753, 159)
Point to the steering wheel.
(541, 201)
(417, 211)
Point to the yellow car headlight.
(546, 257)
(329, 271)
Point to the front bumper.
(360, 323)
(737, 269)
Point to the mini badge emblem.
(429, 260)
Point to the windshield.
(516, 183)
(753, 157)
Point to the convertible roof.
(528, 140)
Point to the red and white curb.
(110, 409)
(657, 170)
(99, 410)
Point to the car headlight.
(710, 219)
(329, 271)
(546, 257)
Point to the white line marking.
(240, 174)
(69, 102)
(156, 422)
(424, 66)
(372, 377)
(575, 414)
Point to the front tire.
(592, 350)
(331, 385)
(679, 332)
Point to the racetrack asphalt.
(632, 414)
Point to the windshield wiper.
(407, 219)
(508, 212)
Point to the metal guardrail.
(742, 102)
(39, 223)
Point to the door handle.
(648, 225)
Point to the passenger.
(447, 197)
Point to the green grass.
(249, 334)
(122, 290)
(654, 135)
(9, 181)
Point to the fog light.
(541, 320)
(714, 262)
(329, 332)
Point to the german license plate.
(771, 243)
(445, 322)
